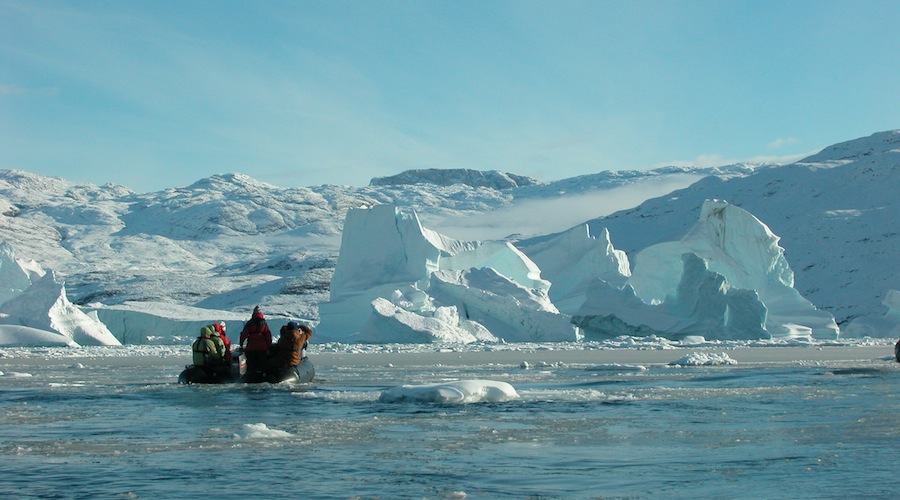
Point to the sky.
(161, 94)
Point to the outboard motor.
(238, 364)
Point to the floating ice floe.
(460, 391)
(616, 367)
(259, 431)
(704, 359)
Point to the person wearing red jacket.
(256, 339)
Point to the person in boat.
(209, 351)
(255, 340)
(897, 351)
(220, 330)
(290, 350)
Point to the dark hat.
(292, 326)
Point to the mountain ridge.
(230, 241)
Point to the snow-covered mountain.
(229, 242)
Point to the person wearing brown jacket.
(290, 347)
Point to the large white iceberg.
(703, 305)
(44, 306)
(37, 300)
(396, 281)
(738, 278)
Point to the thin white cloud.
(782, 142)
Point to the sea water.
(108, 426)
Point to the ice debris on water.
(616, 367)
(704, 359)
(259, 431)
(460, 391)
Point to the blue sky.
(300, 93)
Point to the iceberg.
(746, 253)
(703, 305)
(396, 281)
(44, 306)
(509, 310)
(727, 278)
(36, 299)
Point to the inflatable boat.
(238, 372)
(300, 374)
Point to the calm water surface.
(100, 428)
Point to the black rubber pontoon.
(239, 372)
